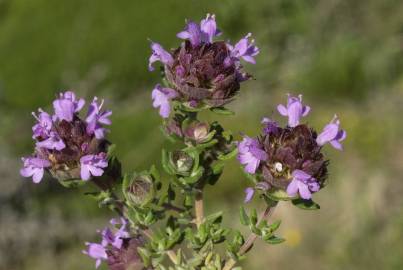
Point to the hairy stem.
(251, 239)
(199, 208)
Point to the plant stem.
(251, 239)
(199, 208)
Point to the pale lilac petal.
(304, 191)
(249, 192)
(282, 110)
(337, 145)
(183, 35)
(38, 175)
(292, 188)
(209, 27)
(95, 171)
(301, 175)
(159, 54)
(85, 173)
(252, 166)
(294, 114)
(329, 133)
(306, 110)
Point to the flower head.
(302, 183)
(64, 140)
(250, 153)
(93, 165)
(159, 54)
(245, 49)
(203, 72)
(34, 167)
(161, 98)
(332, 134)
(294, 110)
(96, 118)
(67, 105)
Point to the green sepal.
(278, 195)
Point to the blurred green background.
(344, 56)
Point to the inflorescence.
(284, 163)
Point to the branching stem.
(251, 239)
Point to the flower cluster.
(289, 158)
(117, 247)
(66, 145)
(201, 73)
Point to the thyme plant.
(162, 224)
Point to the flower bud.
(140, 190)
(182, 161)
(198, 132)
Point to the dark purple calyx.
(204, 74)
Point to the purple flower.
(294, 110)
(97, 252)
(159, 54)
(95, 119)
(192, 32)
(270, 126)
(249, 192)
(161, 97)
(302, 183)
(333, 134)
(209, 27)
(53, 142)
(245, 49)
(66, 106)
(115, 239)
(43, 127)
(250, 153)
(34, 167)
(203, 33)
(93, 165)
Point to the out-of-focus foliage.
(344, 56)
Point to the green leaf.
(243, 217)
(111, 150)
(165, 163)
(274, 240)
(215, 218)
(145, 256)
(275, 225)
(229, 155)
(306, 204)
